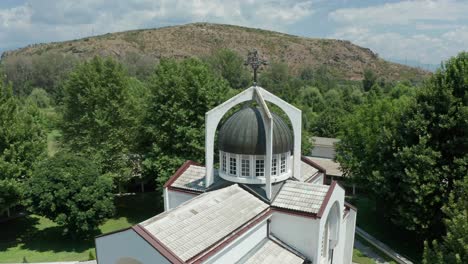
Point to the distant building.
(324, 147)
(264, 203)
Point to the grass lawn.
(38, 239)
(360, 258)
(402, 241)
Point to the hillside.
(344, 59)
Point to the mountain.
(344, 59)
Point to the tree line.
(126, 123)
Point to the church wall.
(350, 223)
(241, 246)
(338, 253)
(120, 247)
(173, 199)
(299, 232)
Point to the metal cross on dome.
(254, 60)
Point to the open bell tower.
(261, 150)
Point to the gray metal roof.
(199, 223)
(244, 133)
(332, 167)
(301, 196)
(269, 252)
(324, 141)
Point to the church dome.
(244, 133)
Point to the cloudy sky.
(424, 31)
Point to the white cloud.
(40, 21)
(404, 12)
(425, 31)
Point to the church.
(255, 200)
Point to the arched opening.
(214, 116)
(330, 234)
(127, 260)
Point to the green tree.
(69, 190)
(100, 115)
(454, 245)
(369, 80)
(46, 71)
(276, 79)
(409, 152)
(22, 144)
(230, 65)
(181, 93)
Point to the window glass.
(283, 163)
(223, 162)
(274, 164)
(245, 168)
(232, 165)
(259, 167)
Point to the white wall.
(127, 244)
(339, 251)
(241, 246)
(350, 223)
(298, 232)
(175, 198)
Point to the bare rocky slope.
(344, 59)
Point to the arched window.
(127, 260)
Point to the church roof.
(270, 252)
(200, 223)
(301, 196)
(244, 133)
(191, 177)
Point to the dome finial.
(256, 62)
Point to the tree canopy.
(180, 94)
(22, 144)
(409, 152)
(100, 115)
(69, 190)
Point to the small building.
(262, 202)
(324, 147)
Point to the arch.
(331, 233)
(214, 116)
(127, 260)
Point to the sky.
(413, 32)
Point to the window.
(245, 167)
(259, 168)
(223, 162)
(283, 163)
(274, 163)
(232, 165)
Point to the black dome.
(244, 133)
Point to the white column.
(268, 123)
